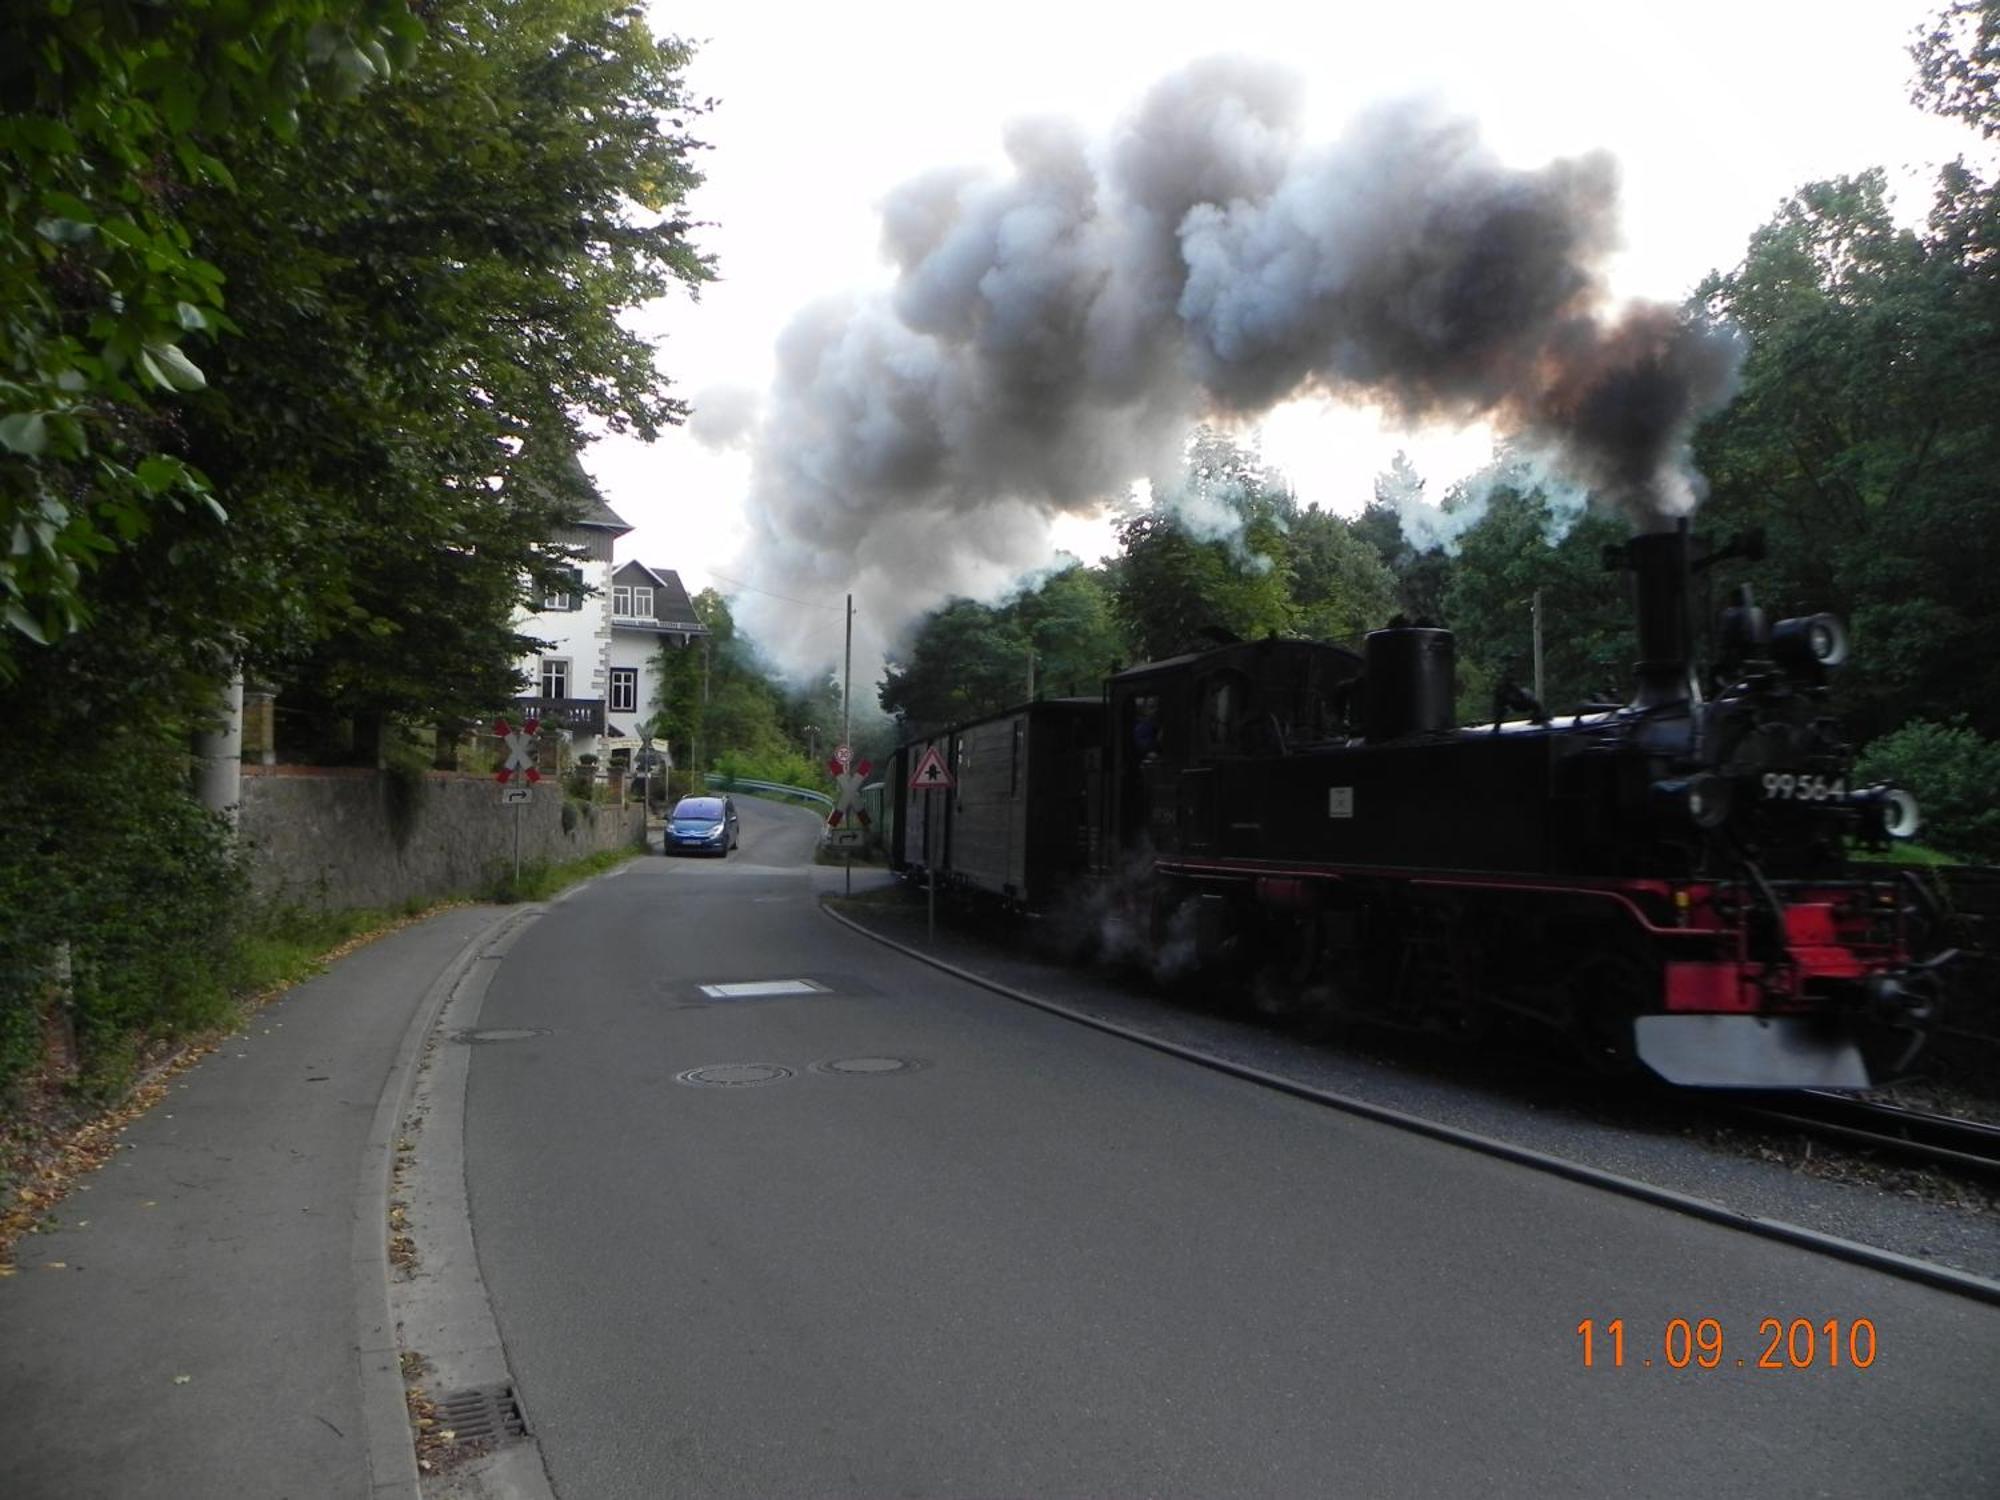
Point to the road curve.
(1041, 1261)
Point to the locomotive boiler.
(1665, 881)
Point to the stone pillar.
(260, 725)
(218, 754)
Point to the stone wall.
(345, 838)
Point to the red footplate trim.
(1713, 987)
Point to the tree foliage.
(399, 307)
(117, 113)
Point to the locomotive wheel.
(1606, 994)
(1280, 990)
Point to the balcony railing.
(580, 715)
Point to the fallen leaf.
(182, 1379)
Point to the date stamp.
(1779, 1344)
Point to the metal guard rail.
(734, 783)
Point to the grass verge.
(541, 879)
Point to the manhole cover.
(734, 1075)
(502, 1034)
(866, 1065)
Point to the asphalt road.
(1039, 1261)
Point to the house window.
(631, 603)
(555, 677)
(569, 598)
(642, 603)
(621, 600)
(624, 690)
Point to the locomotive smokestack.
(1660, 564)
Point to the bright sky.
(1715, 109)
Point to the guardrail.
(775, 788)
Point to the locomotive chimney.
(1660, 565)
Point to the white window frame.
(554, 600)
(555, 670)
(642, 602)
(627, 701)
(621, 600)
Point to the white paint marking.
(759, 987)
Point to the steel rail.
(1973, 1144)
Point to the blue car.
(702, 825)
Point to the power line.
(767, 593)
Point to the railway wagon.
(1020, 824)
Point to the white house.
(649, 608)
(596, 676)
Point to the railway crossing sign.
(930, 774)
(520, 754)
(516, 794)
(847, 808)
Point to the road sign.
(846, 838)
(842, 757)
(930, 774)
(520, 754)
(510, 794)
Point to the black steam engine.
(1664, 881)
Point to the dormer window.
(629, 602)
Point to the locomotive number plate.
(1340, 802)
(1784, 786)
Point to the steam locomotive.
(1664, 882)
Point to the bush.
(785, 767)
(1954, 773)
(110, 855)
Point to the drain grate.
(734, 1075)
(483, 1414)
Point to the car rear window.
(699, 807)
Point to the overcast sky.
(1714, 109)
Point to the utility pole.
(847, 729)
(1538, 647)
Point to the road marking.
(757, 989)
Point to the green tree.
(1863, 442)
(1210, 561)
(1587, 635)
(1070, 622)
(1958, 65)
(118, 112)
(967, 659)
(429, 284)
(1340, 586)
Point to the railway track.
(1941, 1140)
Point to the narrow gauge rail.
(1942, 1140)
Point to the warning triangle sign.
(930, 774)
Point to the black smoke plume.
(1052, 334)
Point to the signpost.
(520, 761)
(930, 776)
(847, 824)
